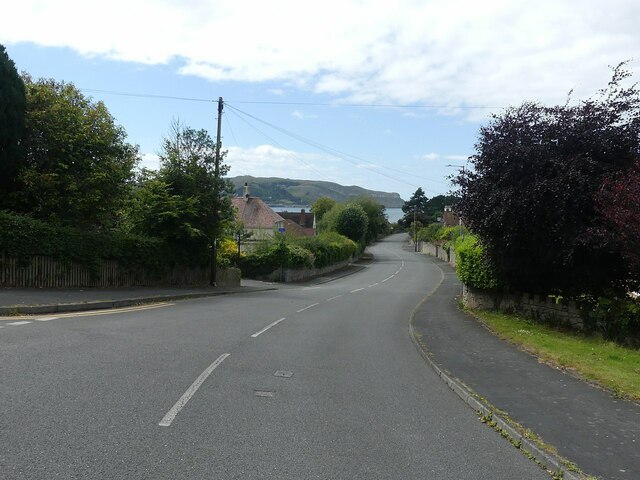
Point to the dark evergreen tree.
(12, 108)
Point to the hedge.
(23, 237)
(471, 265)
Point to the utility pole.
(415, 233)
(216, 192)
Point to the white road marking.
(24, 322)
(108, 311)
(373, 284)
(356, 290)
(46, 319)
(333, 298)
(388, 278)
(307, 307)
(186, 396)
(267, 327)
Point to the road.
(306, 382)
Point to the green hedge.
(23, 237)
(471, 266)
(298, 253)
(328, 248)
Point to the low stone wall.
(439, 251)
(539, 308)
(228, 277)
(289, 275)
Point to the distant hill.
(285, 191)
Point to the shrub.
(472, 267)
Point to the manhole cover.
(283, 373)
(263, 393)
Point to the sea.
(393, 214)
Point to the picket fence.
(45, 272)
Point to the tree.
(184, 202)
(322, 206)
(416, 205)
(530, 194)
(377, 222)
(352, 222)
(434, 207)
(618, 204)
(77, 167)
(12, 108)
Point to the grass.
(612, 366)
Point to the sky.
(386, 95)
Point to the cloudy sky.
(381, 94)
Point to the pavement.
(588, 426)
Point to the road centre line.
(23, 322)
(268, 327)
(46, 319)
(373, 284)
(186, 396)
(307, 307)
(356, 290)
(333, 298)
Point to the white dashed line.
(186, 396)
(388, 278)
(24, 322)
(333, 298)
(373, 284)
(46, 319)
(356, 290)
(268, 327)
(306, 308)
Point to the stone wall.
(439, 251)
(289, 275)
(539, 308)
(536, 307)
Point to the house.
(258, 218)
(451, 218)
(300, 223)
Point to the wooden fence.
(40, 271)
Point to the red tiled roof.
(305, 219)
(255, 213)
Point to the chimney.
(302, 218)
(246, 191)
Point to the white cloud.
(457, 158)
(150, 161)
(270, 161)
(430, 157)
(454, 53)
(301, 115)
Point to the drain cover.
(283, 373)
(263, 393)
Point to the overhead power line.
(340, 154)
(307, 104)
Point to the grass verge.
(612, 366)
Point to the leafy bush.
(430, 232)
(328, 248)
(298, 253)
(352, 222)
(472, 266)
